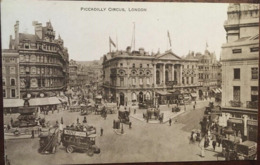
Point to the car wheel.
(69, 149)
(90, 152)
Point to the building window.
(141, 81)
(183, 82)
(12, 92)
(21, 58)
(3, 69)
(3, 81)
(27, 58)
(254, 93)
(26, 46)
(148, 81)
(33, 70)
(254, 72)
(4, 93)
(141, 65)
(22, 70)
(148, 65)
(134, 81)
(236, 93)
(237, 74)
(133, 65)
(191, 80)
(12, 70)
(255, 49)
(237, 51)
(12, 82)
(121, 82)
(187, 80)
(121, 64)
(33, 58)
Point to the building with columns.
(43, 61)
(240, 69)
(136, 76)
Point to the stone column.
(163, 78)
(154, 75)
(180, 74)
(173, 72)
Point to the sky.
(86, 33)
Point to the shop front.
(238, 126)
(252, 127)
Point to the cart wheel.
(69, 149)
(53, 149)
(90, 152)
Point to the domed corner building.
(43, 61)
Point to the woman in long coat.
(201, 145)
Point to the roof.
(168, 55)
(11, 103)
(30, 37)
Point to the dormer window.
(234, 51)
(255, 49)
(26, 46)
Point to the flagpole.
(116, 42)
(109, 45)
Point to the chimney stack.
(16, 34)
(128, 49)
(38, 29)
(141, 51)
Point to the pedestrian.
(101, 131)
(176, 120)
(52, 110)
(135, 111)
(214, 143)
(194, 107)
(61, 120)
(12, 121)
(170, 121)
(130, 125)
(85, 119)
(114, 124)
(32, 134)
(77, 120)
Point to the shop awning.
(12, 103)
(193, 94)
(176, 92)
(163, 93)
(44, 101)
(237, 121)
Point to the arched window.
(147, 96)
(12, 82)
(133, 96)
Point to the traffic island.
(166, 116)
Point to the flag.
(169, 38)
(111, 42)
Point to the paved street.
(168, 143)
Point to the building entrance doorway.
(122, 99)
(141, 97)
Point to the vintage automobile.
(212, 109)
(110, 108)
(49, 141)
(124, 117)
(77, 140)
(86, 109)
(247, 150)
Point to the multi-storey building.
(73, 73)
(240, 60)
(43, 61)
(10, 74)
(136, 76)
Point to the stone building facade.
(10, 74)
(73, 73)
(43, 61)
(240, 68)
(136, 76)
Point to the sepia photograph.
(91, 82)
